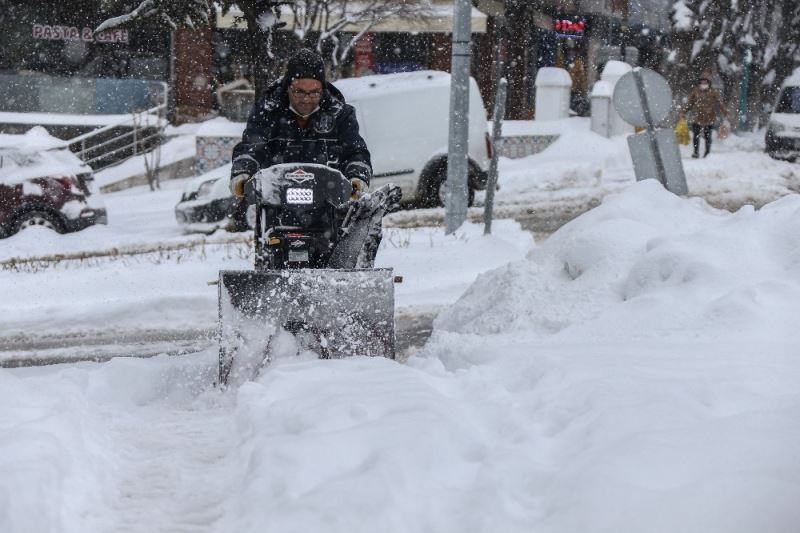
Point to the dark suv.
(50, 188)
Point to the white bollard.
(553, 86)
(612, 72)
(601, 108)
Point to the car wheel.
(38, 218)
(435, 193)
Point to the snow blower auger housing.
(313, 276)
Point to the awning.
(438, 20)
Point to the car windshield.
(789, 101)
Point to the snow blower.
(314, 275)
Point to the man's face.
(304, 95)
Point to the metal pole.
(626, 10)
(172, 102)
(497, 130)
(457, 152)
(498, 65)
(743, 91)
(651, 127)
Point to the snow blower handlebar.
(290, 183)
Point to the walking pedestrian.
(703, 105)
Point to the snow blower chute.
(313, 276)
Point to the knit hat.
(305, 63)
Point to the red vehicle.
(50, 188)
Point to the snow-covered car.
(42, 184)
(783, 133)
(207, 205)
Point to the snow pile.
(359, 442)
(638, 372)
(74, 443)
(46, 449)
(648, 264)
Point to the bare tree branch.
(333, 20)
(145, 9)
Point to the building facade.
(577, 35)
(46, 47)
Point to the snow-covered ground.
(581, 165)
(637, 371)
(167, 288)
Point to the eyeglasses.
(300, 93)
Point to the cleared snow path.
(172, 465)
(130, 445)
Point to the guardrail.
(128, 137)
(147, 129)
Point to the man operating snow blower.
(302, 119)
(305, 167)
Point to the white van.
(405, 120)
(783, 132)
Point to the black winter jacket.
(330, 137)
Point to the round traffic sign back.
(641, 94)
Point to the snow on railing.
(148, 126)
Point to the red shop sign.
(574, 27)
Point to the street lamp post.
(457, 152)
(746, 61)
(624, 30)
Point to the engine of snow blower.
(313, 276)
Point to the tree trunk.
(519, 42)
(262, 64)
(789, 39)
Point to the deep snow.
(637, 371)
